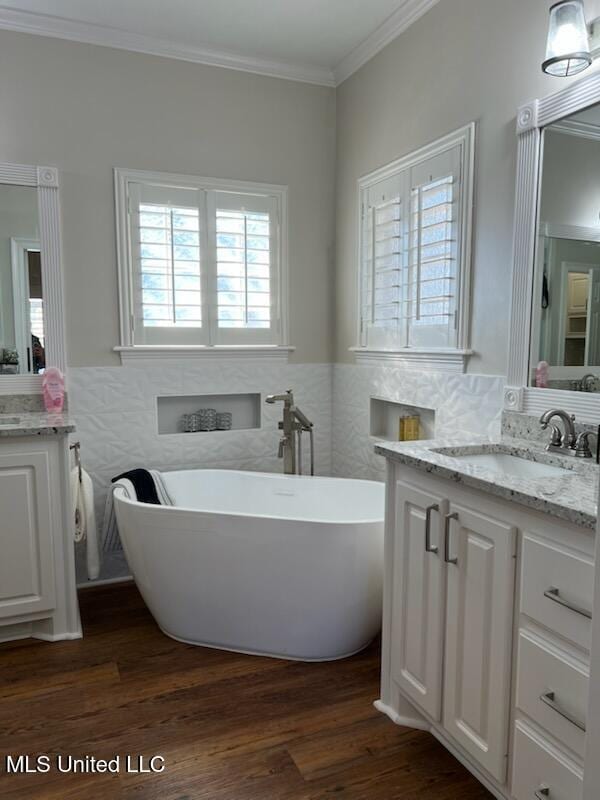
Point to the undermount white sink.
(516, 466)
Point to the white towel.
(110, 539)
(82, 499)
(110, 532)
(161, 489)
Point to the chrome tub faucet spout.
(292, 426)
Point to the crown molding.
(105, 36)
(408, 13)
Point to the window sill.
(431, 360)
(151, 353)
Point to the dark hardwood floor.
(230, 727)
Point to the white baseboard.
(57, 637)
(398, 719)
(105, 582)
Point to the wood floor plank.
(230, 727)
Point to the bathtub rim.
(264, 654)
(124, 497)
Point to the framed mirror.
(555, 312)
(31, 288)
(565, 332)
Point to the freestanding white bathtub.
(273, 565)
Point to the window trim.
(127, 349)
(448, 359)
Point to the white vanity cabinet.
(480, 564)
(26, 569)
(37, 579)
(452, 610)
(486, 632)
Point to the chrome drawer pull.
(543, 793)
(447, 558)
(549, 698)
(428, 512)
(554, 594)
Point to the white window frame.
(130, 351)
(448, 359)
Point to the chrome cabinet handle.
(543, 793)
(428, 512)
(554, 594)
(549, 698)
(447, 519)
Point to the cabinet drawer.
(557, 589)
(539, 768)
(552, 689)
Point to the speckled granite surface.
(35, 424)
(526, 426)
(572, 496)
(21, 404)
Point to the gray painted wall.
(87, 109)
(464, 60)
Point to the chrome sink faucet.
(587, 382)
(293, 424)
(561, 440)
(566, 441)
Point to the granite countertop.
(35, 424)
(572, 497)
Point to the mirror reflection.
(22, 335)
(566, 301)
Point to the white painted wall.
(87, 109)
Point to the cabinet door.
(26, 567)
(418, 599)
(479, 635)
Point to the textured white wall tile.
(462, 404)
(115, 411)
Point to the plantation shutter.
(433, 251)
(383, 260)
(410, 240)
(244, 232)
(169, 275)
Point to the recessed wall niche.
(244, 409)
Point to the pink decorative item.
(541, 375)
(53, 389)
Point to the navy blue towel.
(143, 483)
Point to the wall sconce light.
(568, 50)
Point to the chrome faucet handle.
(282, 443)
(582, 445)
(555, 436)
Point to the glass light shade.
(568, 49)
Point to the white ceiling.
(321, 41)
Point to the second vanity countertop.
(572, 496)
(35, 424)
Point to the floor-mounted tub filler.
(275, 565)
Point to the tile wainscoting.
(115, 412)
(463, 404)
